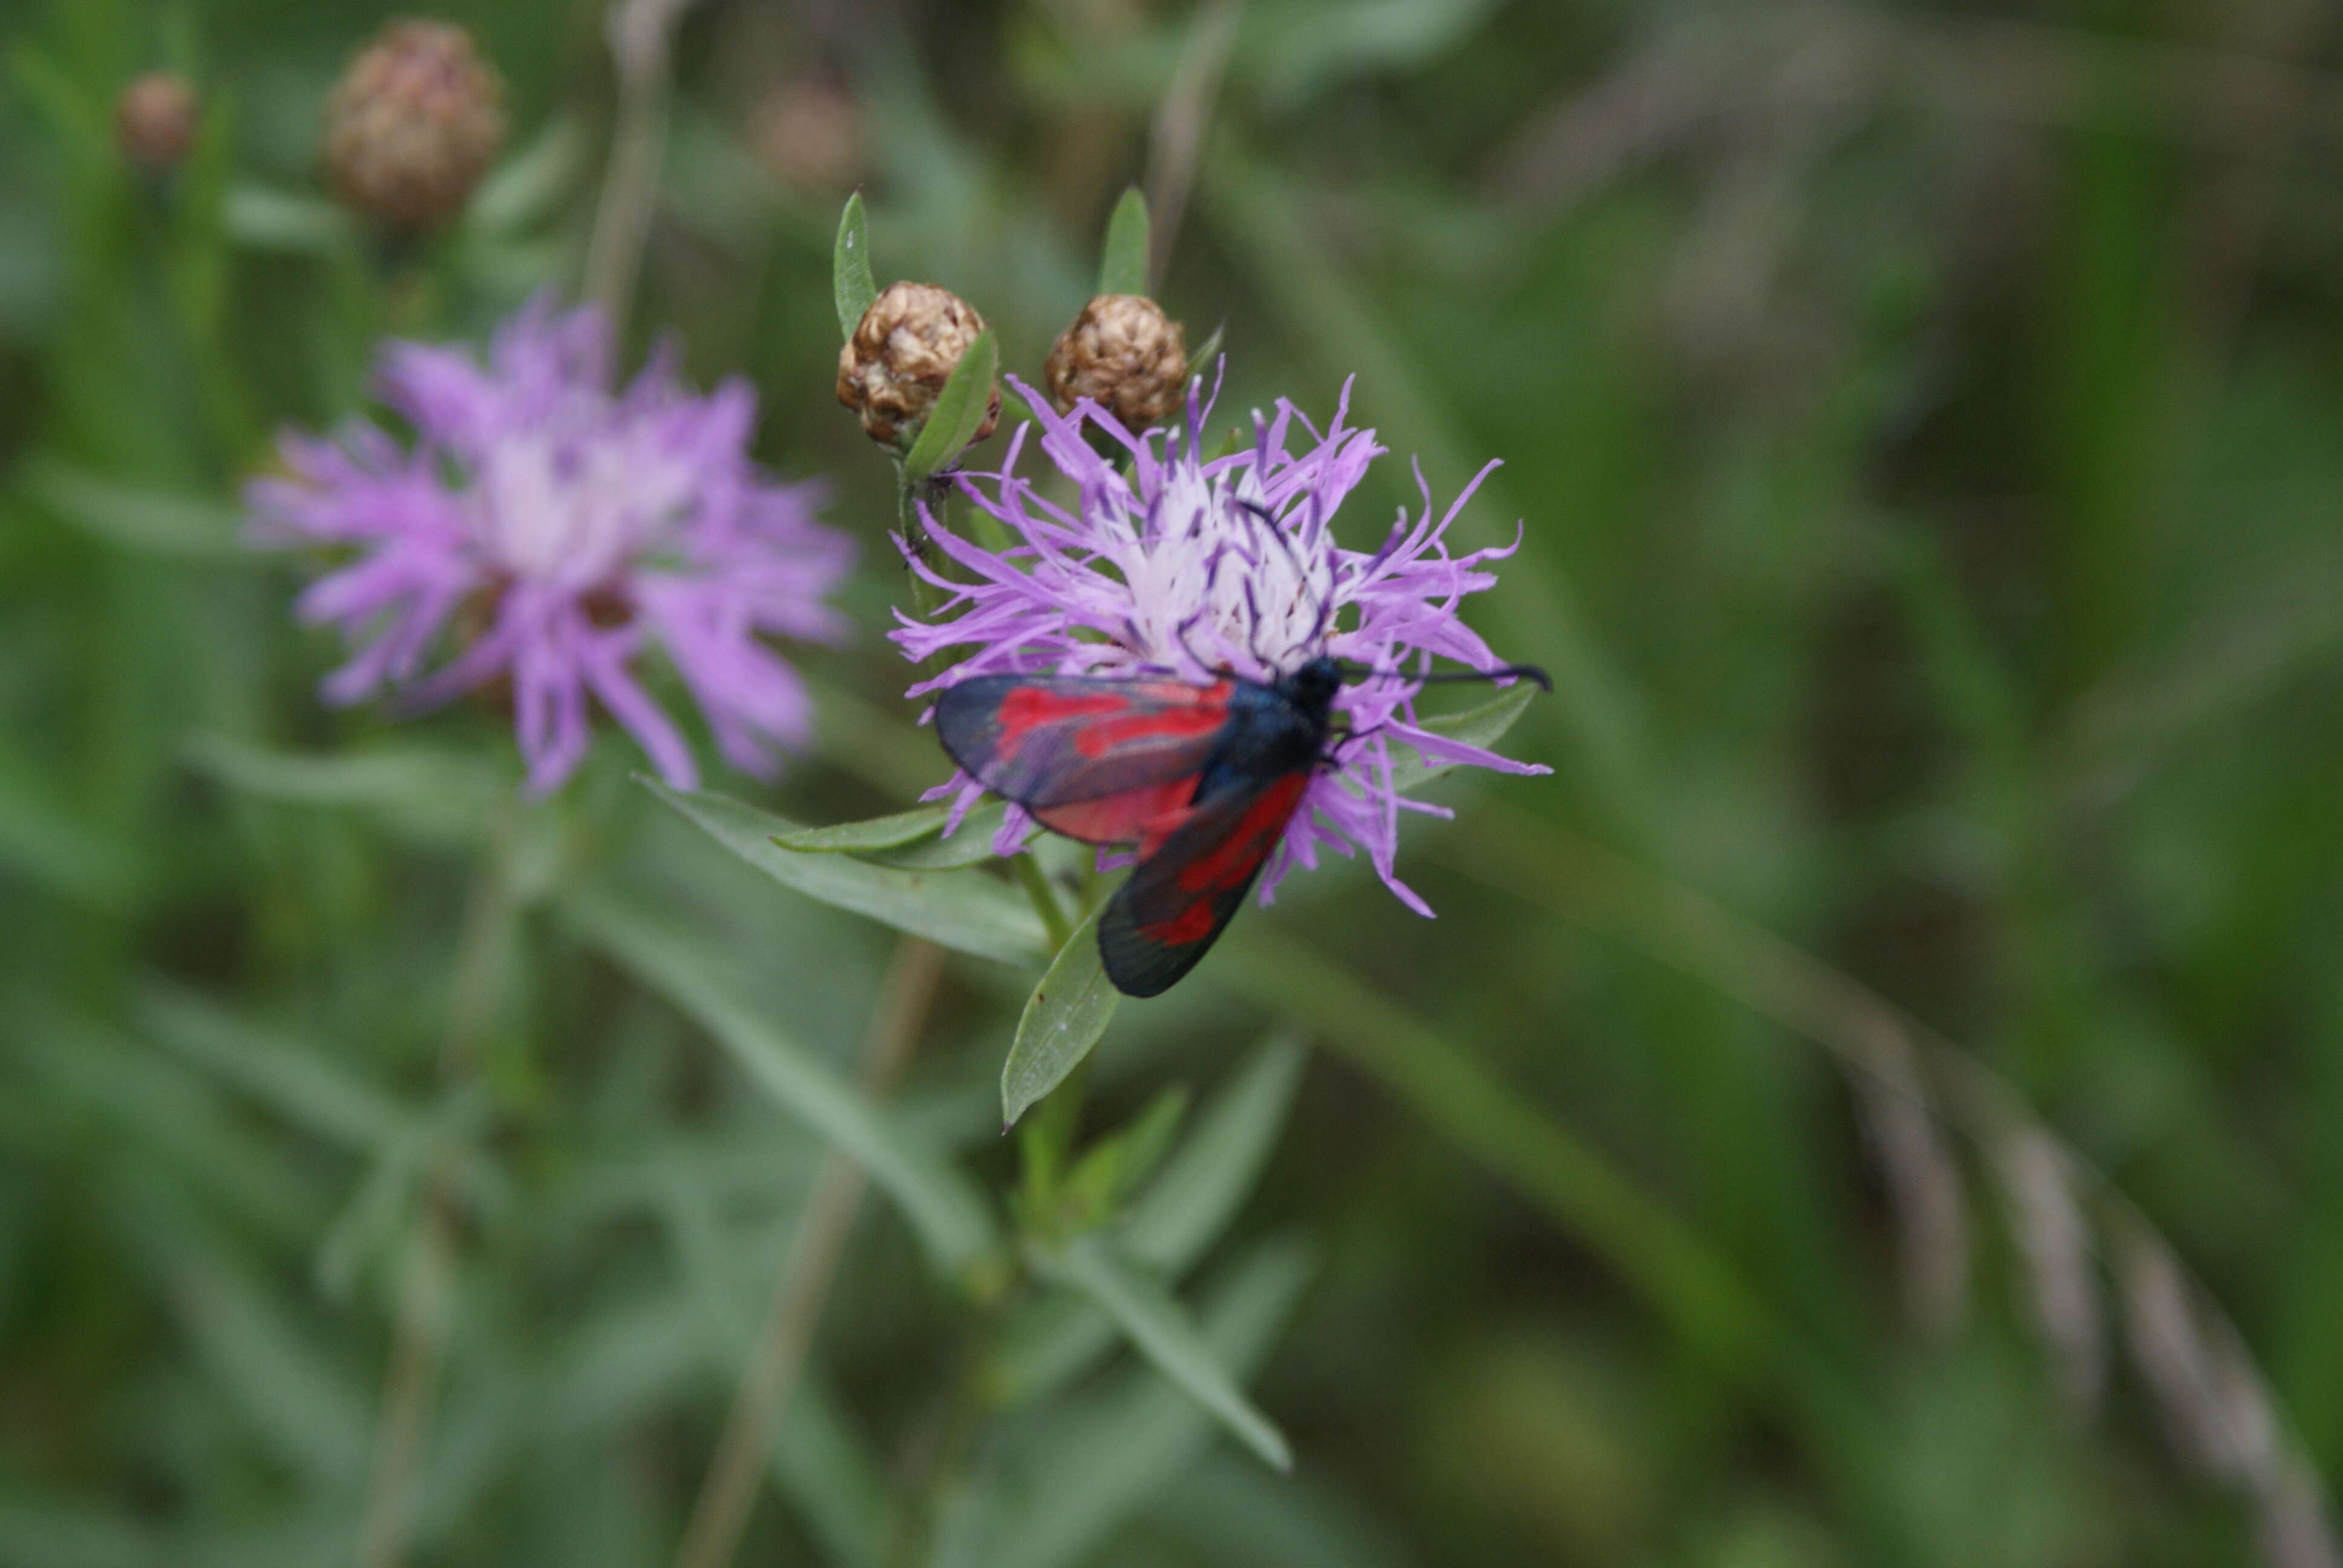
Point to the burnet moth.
(1200, 779)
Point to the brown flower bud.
(1124, 355)
(155, 120)
(412, 126)
(901, 354)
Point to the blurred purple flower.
(557, 528)
(1190, 566)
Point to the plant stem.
(642, 37)
(1178, 135)
(1036, 883)
(803, 1288)
(963, 1417)
(418, 1336)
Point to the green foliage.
(850, 268)
(1063, 1018)
(1123, 260)
(1938, 573)
(959, 412)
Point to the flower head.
(899, 357)
(557, 528)
(156, 120)
(1123, 353)
(413, 124)
(1191, 565)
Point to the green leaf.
(875, 833)
(971, 845)
(1123, 263)
(959, 410)
(1115, 1164)
(1186, 1208)
(432, 795)
(1695, 1289)
(1483, 726)
(1105, 1458)
(942, 1204)
(1162, 1332)
(153, 522)
(1179, 1215)
(1200, 361)
(294, 1397)
(528, 188)
(258, 218)
(824, 1466)
(1063, 1020)
(299, 1081)
(850, 280)
(971, 914)
(46, 845)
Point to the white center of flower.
(1217, 577)
(573, 508)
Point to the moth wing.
(1170, 911)
(1057, 740)
(1145, 815)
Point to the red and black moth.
(1200, 779)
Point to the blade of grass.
(942, 1205)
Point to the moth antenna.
(1528, 672)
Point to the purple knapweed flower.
(548, 529)
(1190, 566)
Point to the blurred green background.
(1923, 421)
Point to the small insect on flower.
(1202, 778)
(1189, 664)
(547, 531)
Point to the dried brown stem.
(726, 1496)
(419, 1331)
(1178, 138)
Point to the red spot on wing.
(1193, 924)
(1223, 868)
(1105, 734)
(1231, 861)
(1028, 708)
(1143, 815)
(1172, 710)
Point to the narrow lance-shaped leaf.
(1483, 726)
(969, 913)
(296, 1079)
(1162, 1332)
(1102, 1459)
(971, 844)
(850, 280)
(1186, 1207)
(45, 844)
(425, 793)
(942, 1204)
(1123, 263)
(1175, 1218)
(1063, 1020)
(959, 409)
(1200, 360)
(153, 522)
(876, 833)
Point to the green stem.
(418, 1338)
(1036, 883)
(971, 1401)
(642, 49)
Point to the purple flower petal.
(1186, 566)
(585, 526)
